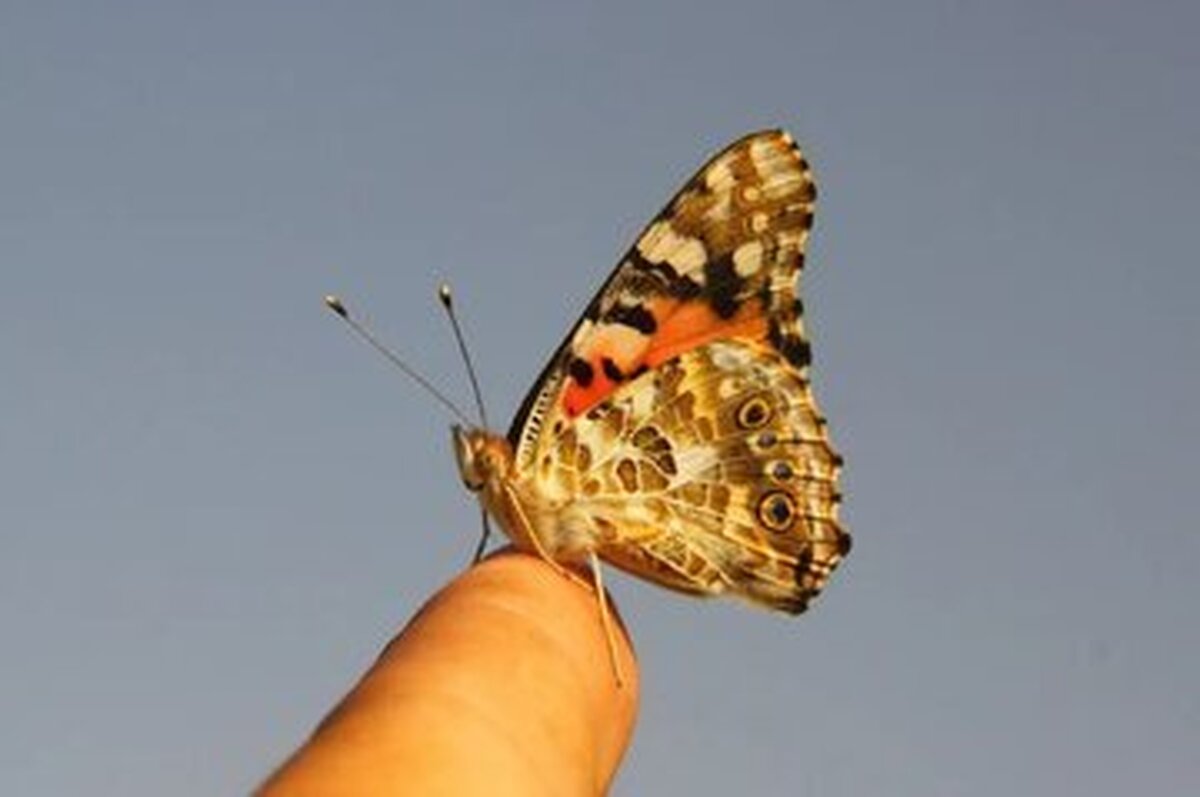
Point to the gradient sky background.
(216, 506)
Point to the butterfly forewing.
(721, 260)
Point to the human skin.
(500, 685)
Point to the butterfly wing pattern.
(674, 432)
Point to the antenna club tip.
(444, 294)
(335, 304)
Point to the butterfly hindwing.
(712, 473)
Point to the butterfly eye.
(472, 462)
(777, 510)
(753, 413)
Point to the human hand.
(501, 684)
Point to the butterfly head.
(482, 457)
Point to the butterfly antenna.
(448, 302)
(335, 304)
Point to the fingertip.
(503, 676)
(547, 629)
(565, 613)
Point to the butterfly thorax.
(536, 514)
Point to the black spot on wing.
(611, 370)
(797, 351)
(581, 371)
(803, 563)
(679, 286)
(722, 285)
(686, 288)
(794, 348)
(636, 317)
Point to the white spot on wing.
(718, 176)
(641, 403)
(747, 258)
(662, 244)
(762, 152)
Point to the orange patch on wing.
(578, 399)
(694, 324)
(623, 346)
(682, 326)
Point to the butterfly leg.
(597, 583)
(527, 533)
(483, 537)
(606, 619)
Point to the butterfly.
(674, 434)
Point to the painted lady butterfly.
(674, 434)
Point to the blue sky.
(216, 507)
